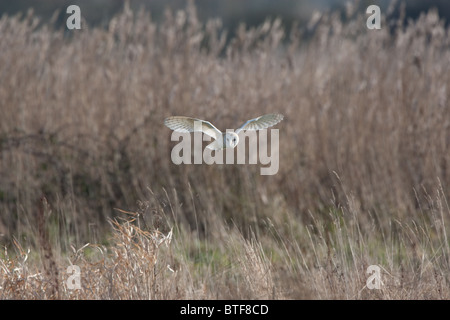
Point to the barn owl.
(222, 140)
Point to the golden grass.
(364, 161)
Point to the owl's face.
(231, 140)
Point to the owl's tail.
(216, 145)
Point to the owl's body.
(222, 140)
(229, 140)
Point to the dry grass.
(364, 161)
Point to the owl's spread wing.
(262, 122)
(187, 124)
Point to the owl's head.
(231, 140)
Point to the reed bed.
(364, 164)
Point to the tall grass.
(364, 161)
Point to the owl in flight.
(222, 140)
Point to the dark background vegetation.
(232, 12)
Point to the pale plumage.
(222, 140)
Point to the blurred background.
(231, 12)
(364, 164)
